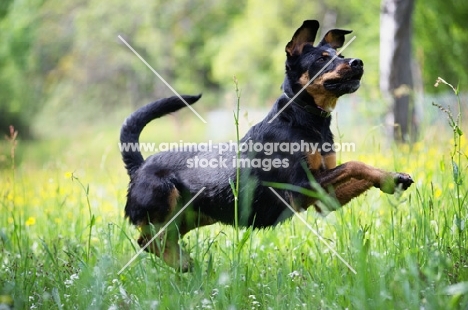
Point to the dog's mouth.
(348, 83)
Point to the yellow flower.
(19, 200)
(30, 221)
(437, 193)
(69, 175)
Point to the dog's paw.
(186, 264)
(395, 181)
(403, 180)
(143, 242)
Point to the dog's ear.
(335, 38)
(305, 34)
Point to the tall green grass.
(62, 242)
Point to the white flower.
(69, 282)
(224, 278)
(294, 274)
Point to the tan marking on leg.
(172, 201)
(329, 161)
(314, 160)
(353, 169)
(352, 189)
(166, 245)
(194, 219)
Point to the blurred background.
(65, 75)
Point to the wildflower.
(206, 303)
(30, 221)
(441, 80)
(154, 304)
(294, 274)
(224, 278)
(69, 282)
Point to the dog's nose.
(355, 62)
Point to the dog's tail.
(134, 124)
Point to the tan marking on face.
(329, 161)
(322, 97)
(304, 79)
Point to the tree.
(396, 82)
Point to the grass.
(63, 240)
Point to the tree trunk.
(396, 81)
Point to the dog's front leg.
(165, 245)
(345, 192)
(351, 179)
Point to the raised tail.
(134, 124)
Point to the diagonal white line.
(314, 231)
(160, 231)
(162, 79)
(311, 80)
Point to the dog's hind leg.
(166, 244)
(152, 205)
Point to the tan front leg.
(314, 161)
(329, 161)
(165, 246)
(347, 191)
(386, 181)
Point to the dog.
(164, 183)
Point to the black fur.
(167, 173)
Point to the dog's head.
(325, 74)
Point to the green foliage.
(20, 86)
(456, 156)
(441, 40)
(4, 6)
(62, 63)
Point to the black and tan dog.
(163, 183)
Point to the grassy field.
(63, 238)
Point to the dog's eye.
(322, 59)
